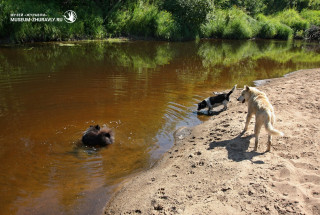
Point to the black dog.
(215, 101)
(96, 136)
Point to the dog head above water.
(245, 94)
(96, 136)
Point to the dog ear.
(246, 88)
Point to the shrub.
(237, 29)
(274, 6)
(313, 33)
(231, 24)
(312, 16)
(261, 18)
(138, 19)
(272, 28)
(93, 26)
(292, 19)
(166, 27)
(4, 19)
(284, 32)
(216, 22)
(240, 25)
(190, 14)
(143, 19)
(314, 5)
(116, 24)
(251, 7)
(267, 30)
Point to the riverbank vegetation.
(173, 20)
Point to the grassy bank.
(163, 19)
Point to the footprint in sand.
(314, 179)
(197, 153)
(316, 194)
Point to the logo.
(70, 16)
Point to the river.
(51, 92)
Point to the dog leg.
(269, 136)
(225, 105)
(269, 142)
(257, 129)
(247, 121)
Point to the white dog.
(259, 104)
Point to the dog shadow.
(207, 113)
(237, 148)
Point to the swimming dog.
(96, 136)
(259, 104)
(215, 101)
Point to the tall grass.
(231, 24)
(215, 24)
(190, 14)
(166, 27)
(293, 19)
(312, 16)
(144, 20)
(116, 24)
(240, 25)
(271, 28)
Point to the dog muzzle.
(241, 99)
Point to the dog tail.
(271, 130)
(235, 86)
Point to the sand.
(213, 170)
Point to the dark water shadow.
(238, 148)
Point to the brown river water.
(51, 92)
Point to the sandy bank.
(212, 170)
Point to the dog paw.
(268, 149)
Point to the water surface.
(51, 92)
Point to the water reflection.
(51, 92)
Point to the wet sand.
(212, 169)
